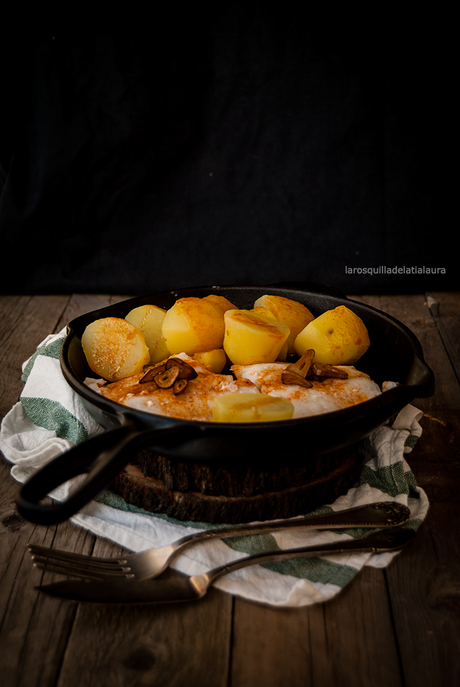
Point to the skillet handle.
(102, 457)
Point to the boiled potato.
(338, 337)
(251, 407)
(149, 319)
(221, 301)
(215, 359)
(193, 325)
(253, 338)
(261, 310)
(291, 313)
(114, 348)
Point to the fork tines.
(65, 563)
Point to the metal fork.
(183, 588)
(152, 562)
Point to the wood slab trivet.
(153, 495)
(217, 479)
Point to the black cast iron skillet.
(395, 355)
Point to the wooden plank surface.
(427, 595)
(399, 626)
(174, 645)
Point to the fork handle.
(379, 542)
(369, 515)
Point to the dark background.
(241, 144)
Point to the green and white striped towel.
(49, 419)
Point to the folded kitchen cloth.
(49, 419)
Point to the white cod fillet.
(194, 403)
(323, 397)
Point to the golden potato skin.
(292, 313)
(262, 310)
(193, 325)
(338, 337)
(114, 348)
(265, 312)
(253, 337)
(221, 301)
(251, 407)
(149, 319)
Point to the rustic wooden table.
(397, 626)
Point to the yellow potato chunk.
(221, 301)
(338, 337)
(149, 319)
(253, 338)
(193, 325)
(251, 407)
(114, 348)
(291, 313)
(261, 310)
(282, 355)
(215, 359)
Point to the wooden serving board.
(245, 495)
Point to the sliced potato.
(292, 313)
(149, 319)
(253, 338)
(193, 325)
(215, 359)
(251, 407)
(338, 337)
(114, 348)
